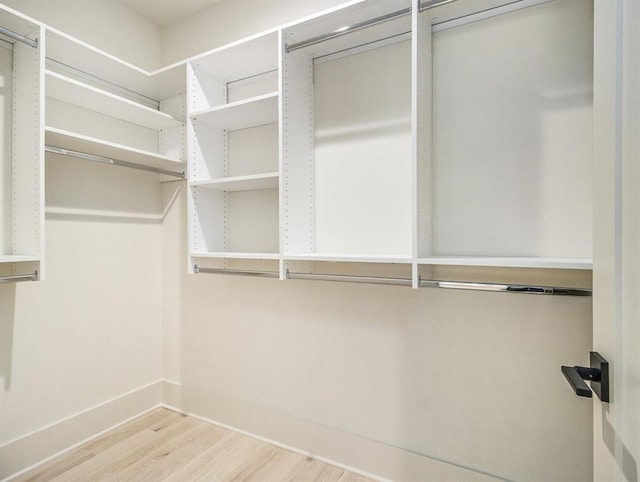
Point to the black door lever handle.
(576, 377)
(597, 374)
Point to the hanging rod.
(506, 288)
(459, 285)
(19, 37)
(349, 278)
(362, 25)
(456, 285)
(108, 160)
(60, 67)
(19, 278)
(238, 272)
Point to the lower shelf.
(236, 255)
(348, 258)
(16, 258)
(509, 262)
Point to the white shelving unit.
(395, 148)
(102, 106)
(21, 154)
(347, 162)
(445, 201)
(233, 139)
(517, 191)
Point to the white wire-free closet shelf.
(253, 182)
(87, 96)
(235, 255)
(17, 258)
(509, 262)
(160, 84)
(348, 258)
(98, 147)
(242, 59)
(252, 112)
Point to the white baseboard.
(363, 456)
(24, 453)
(360, 455)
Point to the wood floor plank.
(280, 467)
(156, 420)
(159, 463)
(312, 470)
(58, 466)
(216, 457)
(114, 459)
(249, 458)
(163, 445)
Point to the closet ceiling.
(166, 12)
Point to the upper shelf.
(83, 95)
(363, 23)
(341, 19)
(464, 11)
(17, 22)
(246, 58)
(242, 114)
(157, 85)
(98, 147)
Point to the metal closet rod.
(362, 25)
(18, 278)
(458, 285)
(108, 160)
(237, 272)
(19, 37)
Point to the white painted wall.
(105, 24)
(92, 331)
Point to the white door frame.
(616, 273)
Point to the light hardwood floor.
(163, 445)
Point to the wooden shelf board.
(348, 258)
(242, 114)
(98, 147)
(236, 255)
(509, 262)
(242, 183)
(84, 95)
